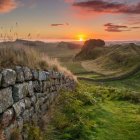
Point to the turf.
(117, 120)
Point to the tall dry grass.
(54, 64)
(13, 56)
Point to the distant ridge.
(109, 59)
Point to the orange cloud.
(102, 6)
(60, 24)
(7, 5)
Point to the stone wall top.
(9, 77)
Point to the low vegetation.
(13, 56)
(92, 112)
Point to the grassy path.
(117, 120)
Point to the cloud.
(133, 20)
(59, 24)
(110, 27)
(7, 5)
(102, 6)
(135, 27)
(69, 1)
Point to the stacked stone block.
(25, 96)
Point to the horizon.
(70, 19)
(65, 40)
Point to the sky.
(70, 19)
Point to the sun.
(81, 37)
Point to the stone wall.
(25, 95)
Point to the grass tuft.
(19, 56)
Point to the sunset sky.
(70, 19)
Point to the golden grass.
(54, 64)
(19, 56)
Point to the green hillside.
(110, 60)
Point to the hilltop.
(91, 49)
(107, 60)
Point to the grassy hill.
(114, 60)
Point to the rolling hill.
(117, 59)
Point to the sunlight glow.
(81, 37)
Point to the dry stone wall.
(25, 96)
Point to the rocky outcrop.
(25, 96)
(91, 49)
(92, 43)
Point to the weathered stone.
(53, 82)
(47, 103)
(8, 77)
(27, 102)
(26, 116)
(19, 107)
(37, 107)
(50, 73)
(20, 74)
(20, 91)
(48, 83)
(0, 79)
(31, 112)
(44, 109)
(6, 118)
(52, 89)
(6, 99)
(44, 86)
(35, 118)
(37, 86)
(39, 95)
(42, 76)
(30, 88)
(46, 98)
(10, 130)
(33, 100)
(41, 101)
(52, 97)
(35, 74)
(20, 123)
(27, 73)
(2, 135)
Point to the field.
(91, 112)
(105, 105)
(118, 117)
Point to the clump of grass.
(33, 132)
(54, 64)
(13, 56)
(126, 95)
